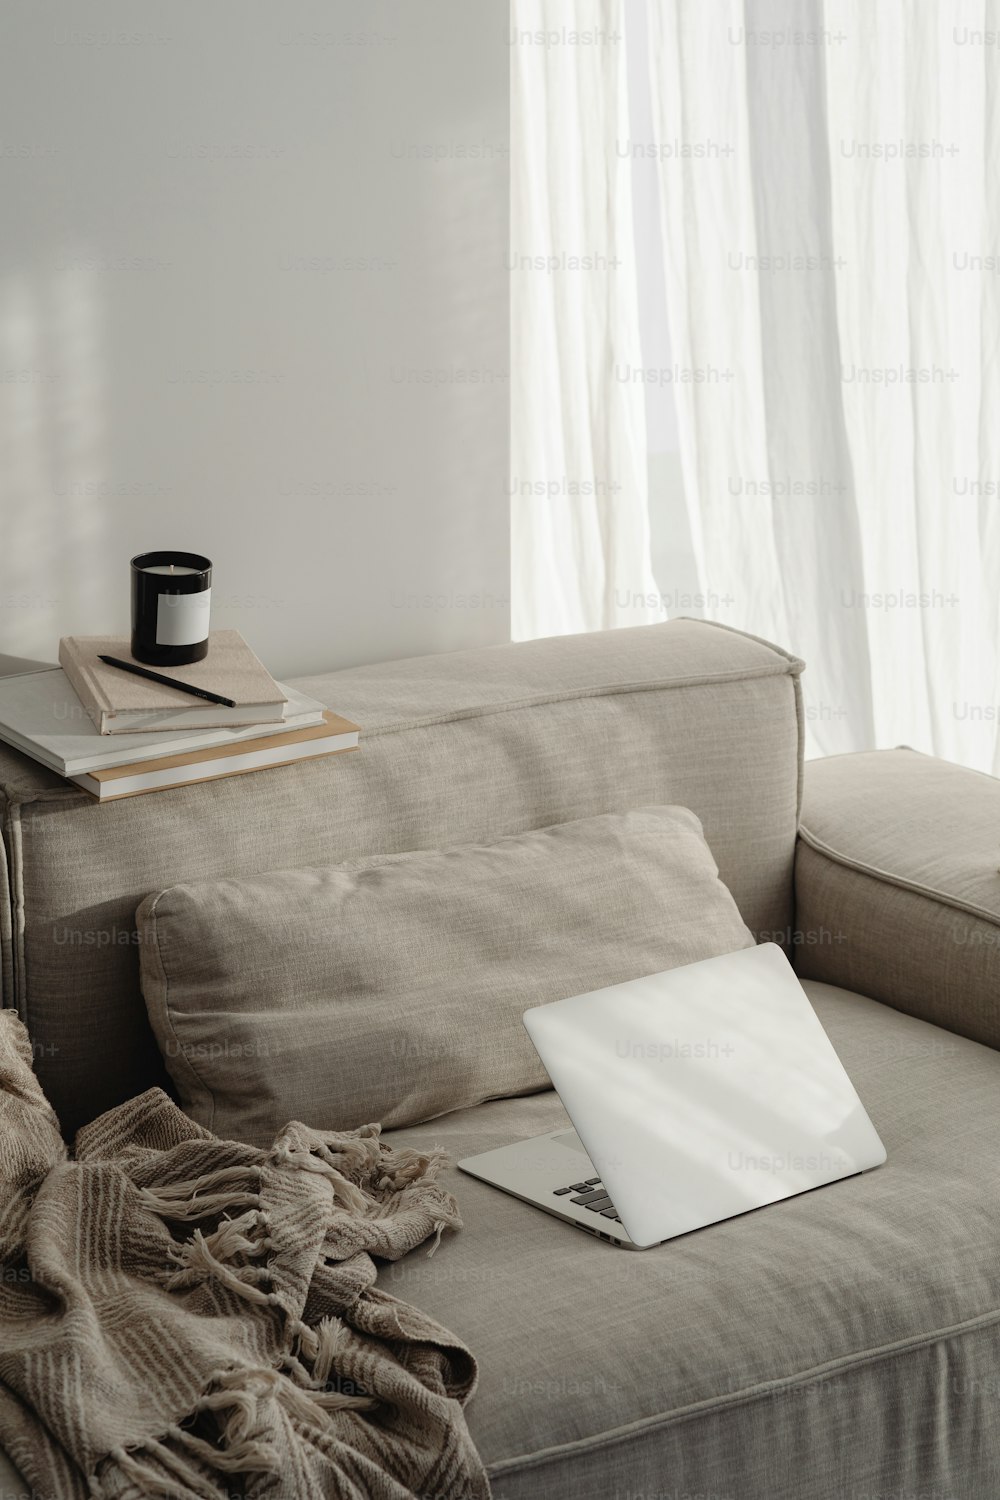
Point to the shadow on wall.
(52, 431)
(14, 666)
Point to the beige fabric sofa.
(843, 1344)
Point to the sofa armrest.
(897, 886)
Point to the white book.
(41, 715)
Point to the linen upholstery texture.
(392, 988)
(841, 1345)
(897, 883)
(459, 748)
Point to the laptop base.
(550, 1172)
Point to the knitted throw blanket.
(183, 1316)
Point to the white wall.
(253, 303)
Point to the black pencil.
(182, 687)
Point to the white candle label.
(182, 619)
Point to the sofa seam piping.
(900, 882)
(576, 695)
(761, 640)
(752, 1394)
(789, 668)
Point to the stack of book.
(117, 735)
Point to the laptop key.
(559, 1191)
(590, 1197)
(593, 1181)
(610, 1213)
(579, 1187)
(601, 1206)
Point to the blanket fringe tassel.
(212, 1193)
(213, 1255)
(180, 1456)
(307, 1386)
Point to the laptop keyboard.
(591, 1194)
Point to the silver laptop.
(697, 1094)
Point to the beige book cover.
(119, 702)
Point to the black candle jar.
(171, 603)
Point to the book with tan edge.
(120, 703)
(334, 736)
(41, 716)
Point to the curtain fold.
(912, 195)
(851, 505)
(751, 289)
(830, 224)
(579, 512)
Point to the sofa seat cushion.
(845, 1342)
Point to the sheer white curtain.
(580, 518)
(827, 178)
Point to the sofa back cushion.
(458, 748)
(392, 988)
